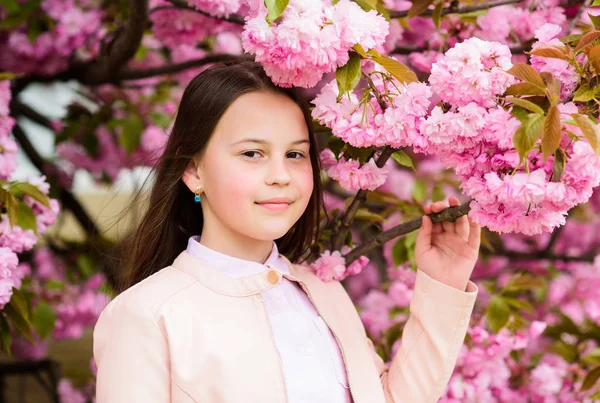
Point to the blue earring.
(197, 195)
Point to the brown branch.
(180, 5)
(453, 9)
(135, 74)
(122, 48)
(67, 199)
(541, 255)
(339, 234)
(577, 16)
(408, 49)
(449, 214)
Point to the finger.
(427, 209)
(474, 234)
(424, 235)
(461, 225)
(446, 225)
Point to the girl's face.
(258, 151)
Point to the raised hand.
(447, 251)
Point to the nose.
(277, 171)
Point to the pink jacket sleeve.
(131, 354)
(431, 340)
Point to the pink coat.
(190, 333)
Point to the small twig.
(578, 16)
(233, 18)
(135, 74)
(457, 10)
(449, 214)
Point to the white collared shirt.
(313, 366)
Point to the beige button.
(272, 276)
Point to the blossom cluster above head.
(311, 38)
(74, 31)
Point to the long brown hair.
(172, 216)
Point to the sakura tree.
(493, 102)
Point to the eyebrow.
(261, 141)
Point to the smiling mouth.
(275, 206)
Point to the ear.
(192, 176)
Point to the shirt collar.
(232, 266)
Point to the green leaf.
(527, 134)
(526, 104)
(21, 324)
(364, 214)
(131, 133)
(367, 5)
(595, 3)
(497, 313)
(595, 20)
(585, 93)
(520, 113)
(437, 14)
(398, 70)
(275, 9)
(419, 191)
(524, 89)
(43, 319)
(437, 193)
(55, 285)
(523, 282)
(348, 75)
(19, 302)
(5, 336)
(21, 188)
(12, 207)
(566, 351)
(359, 49)
(86, 265)
(558, 167)
(551, 52)
(518, 304)
(589, 130)
(11, 6)
(526, 73)
(587, 39)
(591, 379)
(593, 357)
(418, 7)
(399, 252)
(160, 119)
(552, 132)
(26, 218)
(403, 159)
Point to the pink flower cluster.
(218, 8)
(8, 146)
(311, 38)
(366, 125)
(75, 32)
(350, 174)
(509, 24)
(472, 71)
(332, 266)
(561, 69)
(474, 138)
(15, 240)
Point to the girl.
(215, 312)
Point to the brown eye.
(297, 153)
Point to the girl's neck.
(254, 250)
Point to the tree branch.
(577, 17)
(408, 49)
(181, 5)
(134, 74)
(67, 199)
(456, 9)
(449, 214)
(123, 47)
